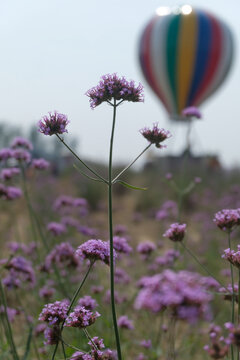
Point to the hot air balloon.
(185, 55)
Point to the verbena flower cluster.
(181, 292)
(113, 87)
(156, 135)
(227, 219)
(53, 123)
(54, 313)
(176, 232)
(192, 111)
(95, 250)
(20, 271)
(232, 256)
(81, 317)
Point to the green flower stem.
(72, 303)
(202, 266)
(128, 166)
(233, 296)
(171, 342)
(63, 349)
(110, 183)
(9, 329)
(81, 161)
(89, 338)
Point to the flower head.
(113, 87)
(56, 228)
(8, 173)
(21, 142)
(192, 111)
(6, 154)
(183, 293)
(176, 232)
(156, 135)
(81, 317)
(232, 256)
(226, 219)
(40, 164)
(88, 302)
(21, 155)
(54, 313)
(125, 323)
(95, 250)
(53, 123)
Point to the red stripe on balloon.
(145, 57)
(214, 59)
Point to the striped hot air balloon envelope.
(185, 55)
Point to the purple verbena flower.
(113, 87)
(192, 111)
(11, 313)
(40, 164)
(53, 123)
(56, 228)
(81, 317)
(121, 245)
(168, 258)
(6, 154)
(227, 219)
(146, 247)
(20, 271)
(52, 335)
(88, 302)
(176, 232)
(63, 255)
(125, 323)
(10, 192)
(54, 313)
(219, 347)
(9, 173)
(232, 256)
(21, 142)
(147, 344)
(181, 292)
(21, 155)
(95, 250)
(121, 277)
(46, 292)
(156, 135)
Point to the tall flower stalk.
(110, 220)
(114, 91)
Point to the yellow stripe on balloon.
(187, 47)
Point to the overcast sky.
(53, 51)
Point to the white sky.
(53, 51)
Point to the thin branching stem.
(128, 166)
(81, 161)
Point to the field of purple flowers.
(95, 271)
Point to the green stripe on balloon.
(172, 50)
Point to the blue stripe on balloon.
(204, 38)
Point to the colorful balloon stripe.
(185, 58)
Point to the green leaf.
(130, 186)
